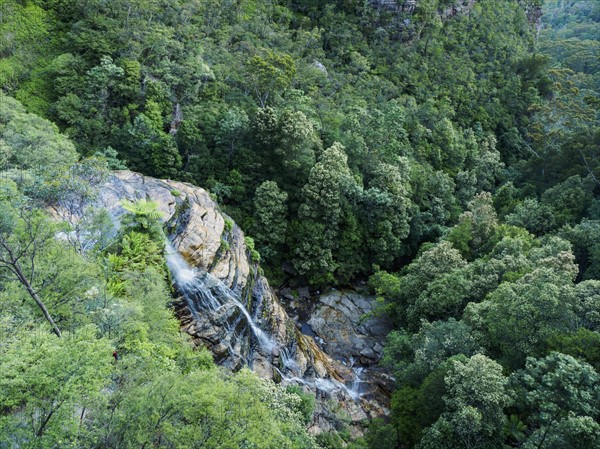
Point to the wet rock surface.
(339, 321)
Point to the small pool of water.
(307, 330)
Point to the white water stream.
(204, 291)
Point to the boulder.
(340, 319)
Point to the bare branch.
(587, 166)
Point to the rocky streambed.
(339, 322)
(322, 343)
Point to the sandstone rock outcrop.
(193, 218)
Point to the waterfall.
(355, 387)
(204, 292)
(216, 307)
(288, 373)
(289, 362)
(330, 386)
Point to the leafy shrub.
(307, 404)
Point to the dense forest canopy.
(447, 151)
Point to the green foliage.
(583, 344)
(475, 227)
(385, 207)
(228, 225)
(585, 247)
(307, 403)
(448, 147)
(24, 35)
(330, 440)
(381, 435)
(30, 142)
(537, 218)
(143, 217)
(45, 380)
(321, 214)
(225, 246)
(36, 268)
(416, 408)
(521, 300)
(519, 318)
(111, 157)
(475, 398)
(270, 221)
(139, 251)
(561, 396)
(415, 357)
(421, 292)
(71, 392)
(268, 73)
(424, 113)
(254, 254)
(200, 407)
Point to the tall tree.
(560, 396)
(270, 219)
(320, 214)
(475, 399)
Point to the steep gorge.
(225, 304)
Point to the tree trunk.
(36, 298)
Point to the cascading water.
(289, 362)
(208, 297)
(210, 300)
(354, 388)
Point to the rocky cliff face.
(451, 9)
(226, 305)
(338, 321)
(395, 5)
(409, 6)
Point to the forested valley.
(442, 155)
